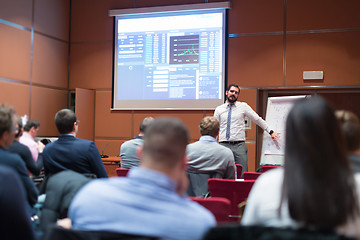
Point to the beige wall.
(276, 41)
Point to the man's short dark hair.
(209, 126)
(145, 124)
(233, 85)
(165, 141)
(64, 121)
(6, 119)
(31, 123)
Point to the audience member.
(7, 135)
(316, 189)
(150, 201)
(207, 158)
(350, 126)
(24, 152)
(231, 116)
(69, 152)
(15, 219)
(129, 158)
(31, 130)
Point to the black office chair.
(236, 232)
(59, 233)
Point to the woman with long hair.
(316, 189)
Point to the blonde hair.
(209, 126)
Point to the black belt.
(232, 142)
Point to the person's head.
(32, 127)
(145, 124)
(209, 126)
(318, 182)
(19, 127)
(66, 121)
(232, 93)
(7, 125)
(350, 126)
(165, 144)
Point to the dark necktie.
(228, 123)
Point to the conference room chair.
(198, 183)
(218, 206)
(251, 175)
(238, 170)
(268, 167)
(59, 233)
(238, 232)
(122, 172)
(235, 191)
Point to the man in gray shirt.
(128, 154)
(208, 157)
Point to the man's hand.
(275, 136)
(40, 146)
(65, 223)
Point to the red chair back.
(251, 175)
(235, 191)
(218, 206)
(122, 172)
(238, 170)
(268, 167)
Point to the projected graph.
(184, 49)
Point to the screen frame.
(198, 104)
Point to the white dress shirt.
(237, 126)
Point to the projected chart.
(184, 49)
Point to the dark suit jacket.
(60, 190)
(72, 153)
(16, 163)
(25, 154)
(15, 220)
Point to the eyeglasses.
(77, 122)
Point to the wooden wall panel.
(191, 119)
(45, 103)
(320, 14)
(337, 54)
(90, 19)
(250, 16)
(116, 124)
(50, 62)
(15, 51)
(109, 147)
(18, 12)
(251, 146)
(255, 61)
(16, 95)
(85, 111)
(52, 18)
(91, 65)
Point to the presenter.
(231, 116)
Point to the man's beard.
(232, 100)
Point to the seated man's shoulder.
(134, 141)
(12, 160)
(10, 157)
